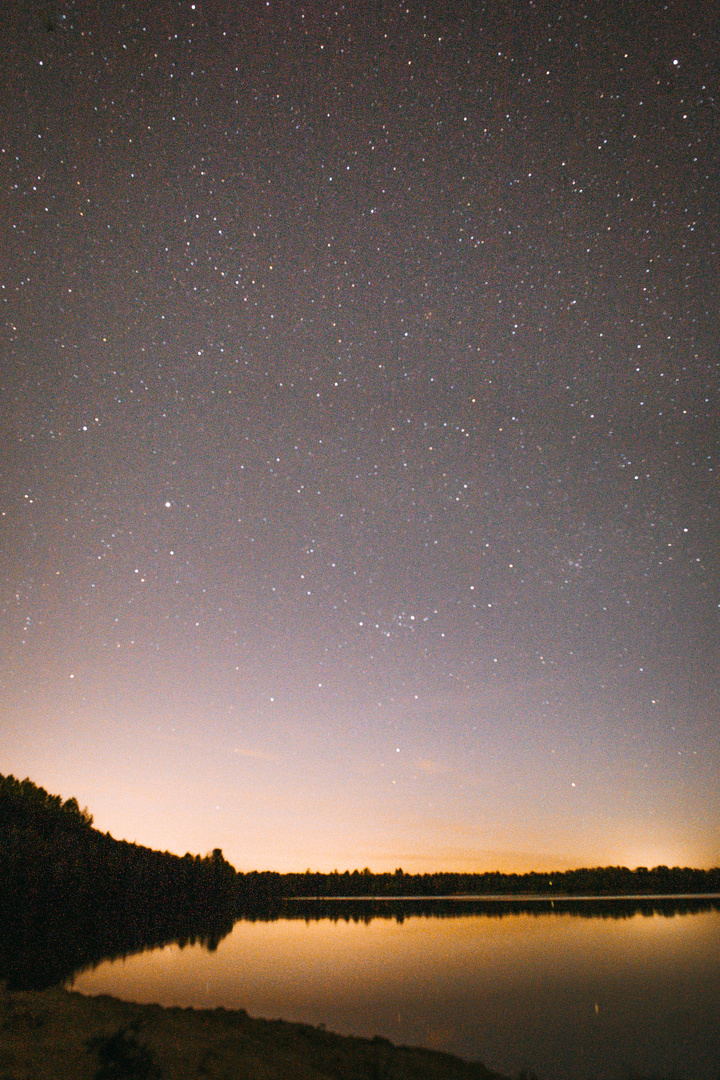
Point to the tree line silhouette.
(71, 895)
(598, 881)
(50, 854)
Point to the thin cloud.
(256, 755)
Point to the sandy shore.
(56, 1035)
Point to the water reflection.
(567, 992)
(47, 953)
(400, 908)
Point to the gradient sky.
(360, 428)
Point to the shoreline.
(61, 1034)
(521, 898)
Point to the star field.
(359, 403)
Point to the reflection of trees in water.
(72, 896)
(365, 910)
(60, 946)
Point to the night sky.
(360, 428)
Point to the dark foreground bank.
(57, 1035)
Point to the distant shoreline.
(510, 897)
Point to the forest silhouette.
(73, 895)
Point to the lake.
(563, 992)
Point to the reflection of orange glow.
(288, 966)
(475, 986)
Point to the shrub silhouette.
(122, 1057)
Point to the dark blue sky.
(359, 408)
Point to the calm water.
(571, 997)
